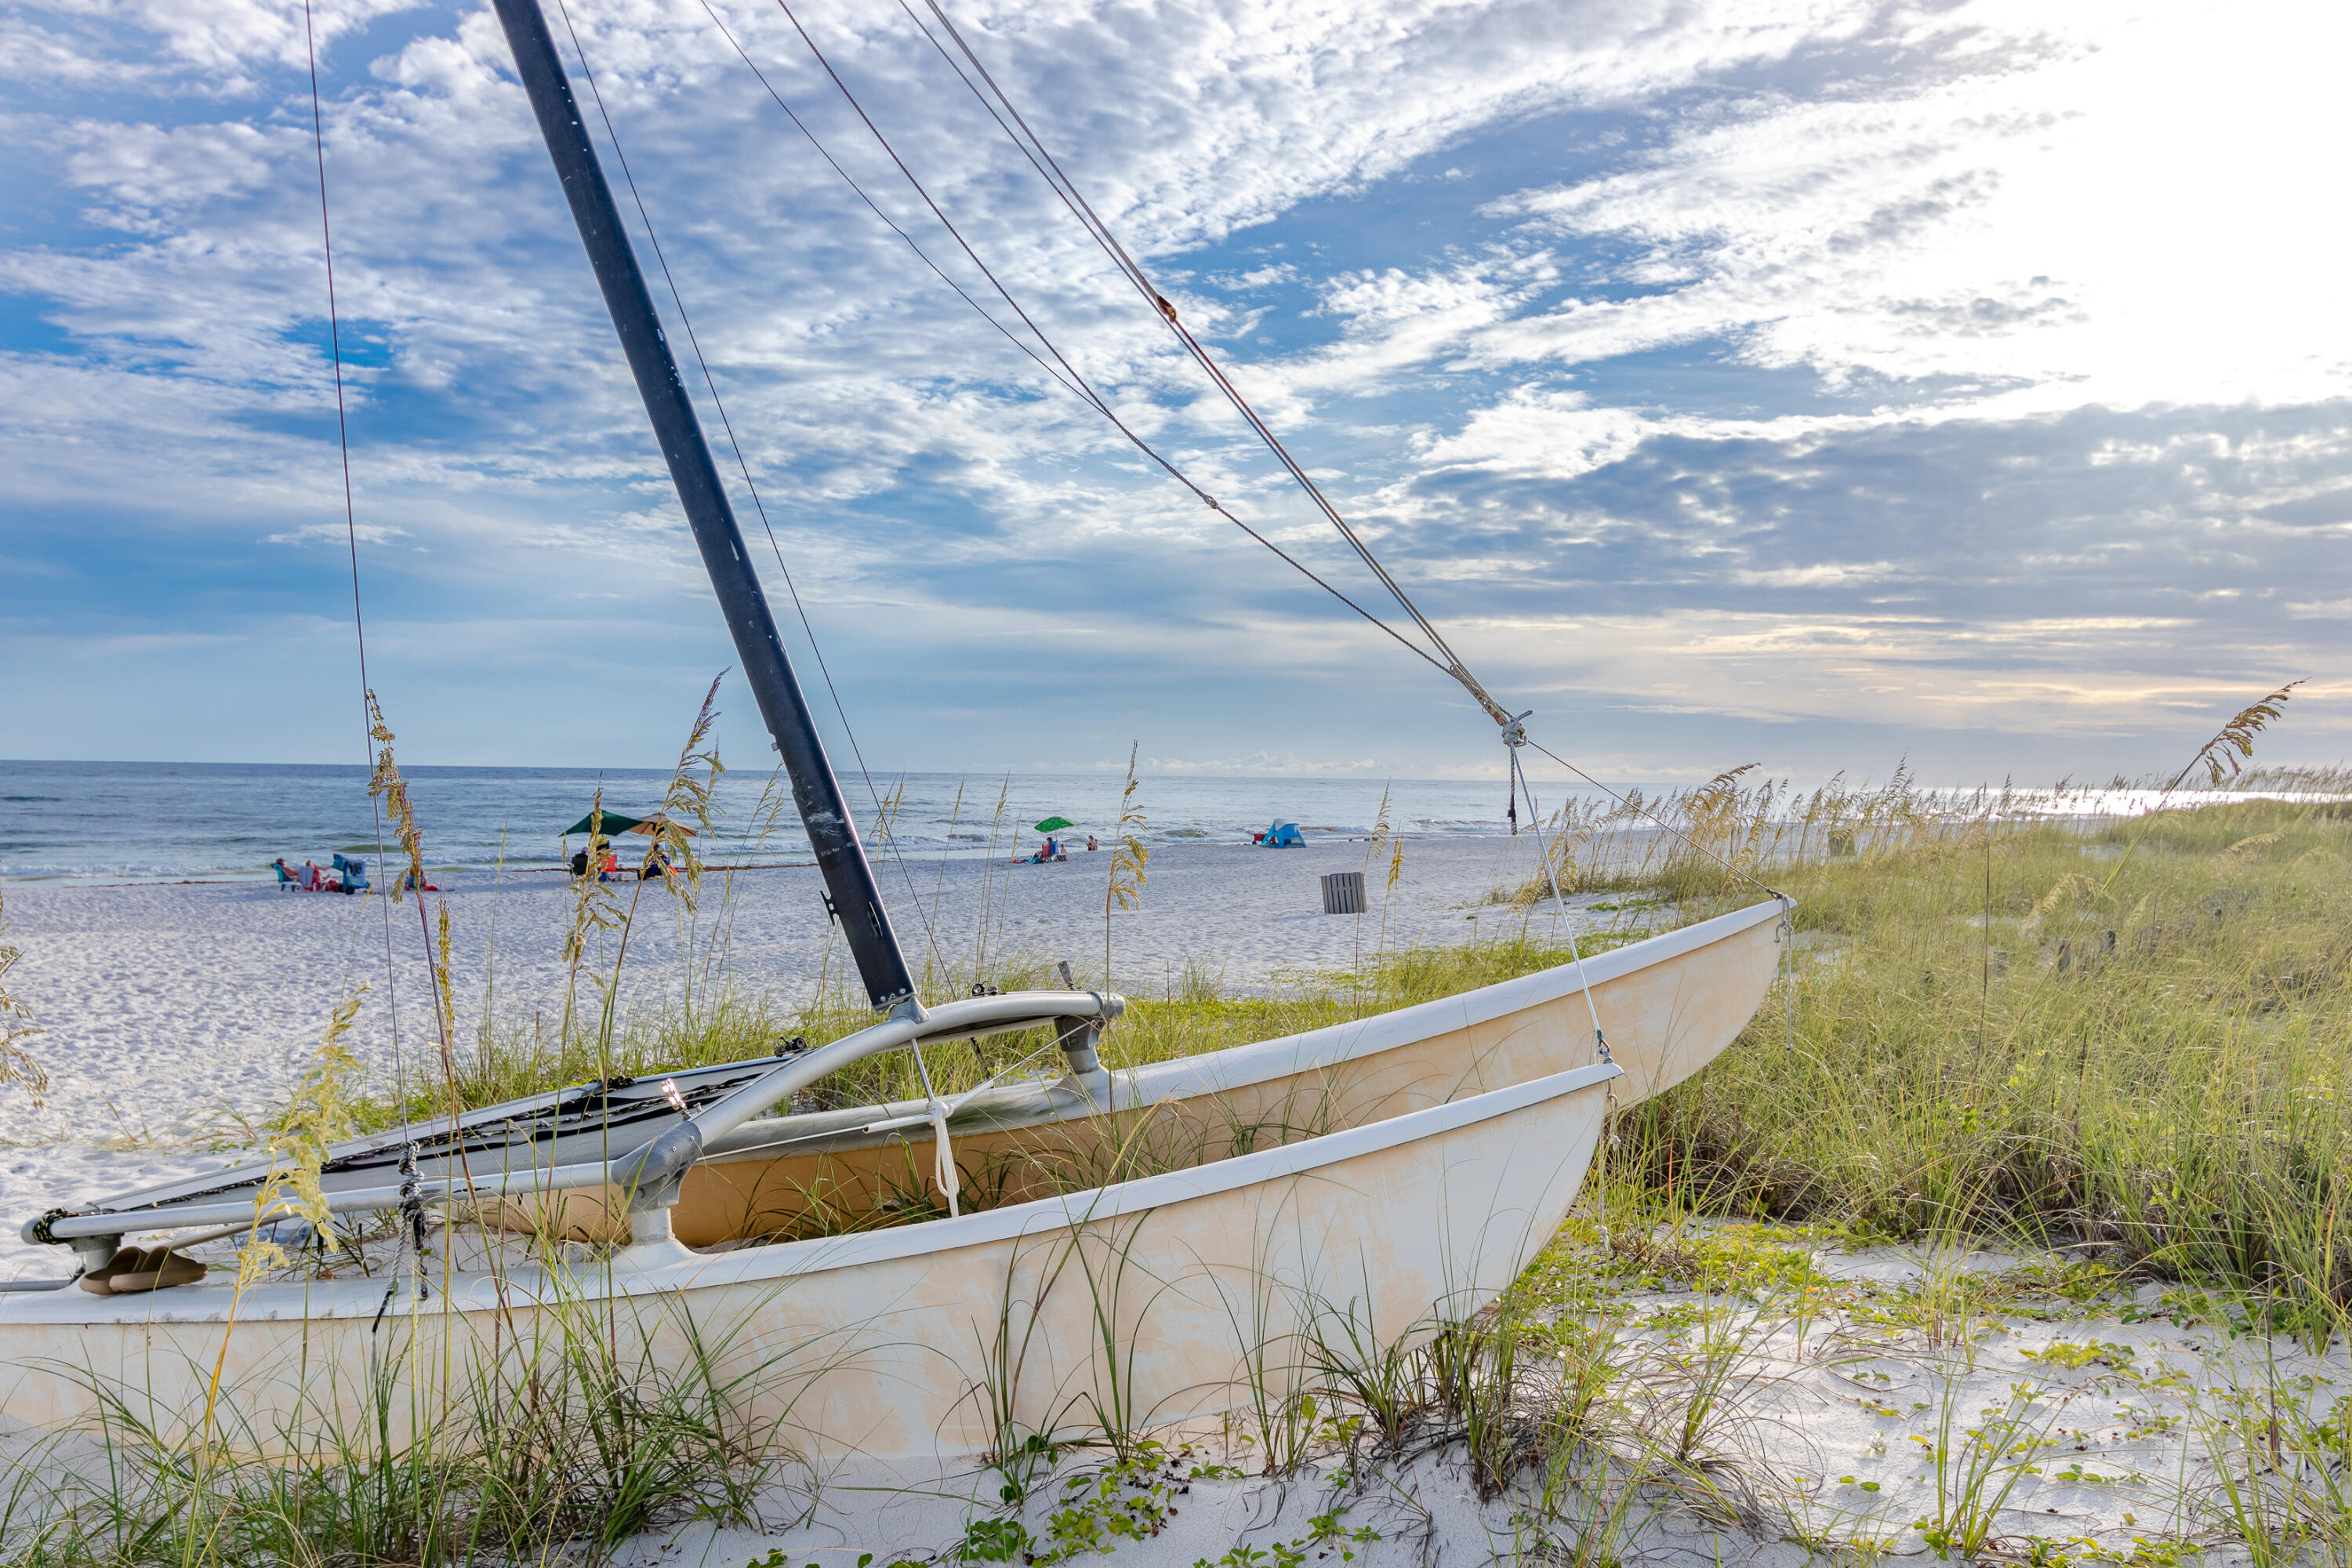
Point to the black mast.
(856, 901)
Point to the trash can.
(1343, 893)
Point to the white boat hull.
(1668, 1005)
(1147, 1302)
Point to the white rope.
(944, 1165)
(936, 1111)
(944, 1168)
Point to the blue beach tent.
(1284, 835)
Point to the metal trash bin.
(1343, 892)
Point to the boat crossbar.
(650, 1174)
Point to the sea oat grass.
(2153, 1057)
(552, 1446)
(18, 1066)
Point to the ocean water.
(146, 822)
(151, 822)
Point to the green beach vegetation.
(2130, 1033)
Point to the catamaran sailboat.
(1403, 1167)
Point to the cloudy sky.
(1799, 382)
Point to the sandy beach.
(2072, 1428)
(170, 1011)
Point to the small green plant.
(1474, 1370)
(1352, 1361)
(2074, 1357)
(2281, 1469)
(1977, 1467)
(1131, 1498)
(1325, 1534)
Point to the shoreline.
(927, 855)
(2035, 806)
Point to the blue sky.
(1778, 381)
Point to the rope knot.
(944, 1170)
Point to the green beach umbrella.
(614, 822)
(1054, 824)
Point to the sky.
(1793, 382)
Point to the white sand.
(173, 1010)
(1831, 1440)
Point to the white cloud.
(211, 49)
(1550, 435)
(1977, 218)
(2109, 205)
(1263, 763)
(2112, 675)
(328, 533)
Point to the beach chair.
(287, 880)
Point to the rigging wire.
(1043, 160)
(1067, 374)
(851, 182)
(351, 531)
(881, 817)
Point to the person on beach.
(310, 883)
(610, 871)
(1091, 845)
(579, 862)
